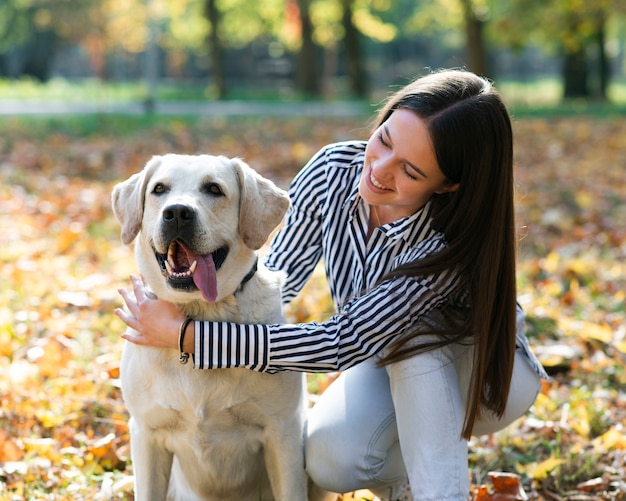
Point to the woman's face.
(401, 173)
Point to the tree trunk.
(354, 59)
(575, 74)
(215, 47)
(39, 55)
(476, 51)
(604, 69)
(308, 75)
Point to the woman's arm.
(364, 327)
(297, 247)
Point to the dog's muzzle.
(188, 271)
(184, 268)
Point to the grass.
(532, 97)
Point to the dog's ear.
(128, 198)
(262, 205)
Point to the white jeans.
(373, 426)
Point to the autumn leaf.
(504, 487)
(9, 449)
(545, 468)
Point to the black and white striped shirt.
(328, 220)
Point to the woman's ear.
(447, 188)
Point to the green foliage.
(13, 26)
(20, 19)
(555, 24)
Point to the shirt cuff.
(221, 345)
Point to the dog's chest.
(169, 396)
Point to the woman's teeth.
(376, 183)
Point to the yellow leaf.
(612, 439)
(42, 447)
(585, 199)
(587, 330)
(543, 469)
(551, 262)
(581, 266)
(580, 423)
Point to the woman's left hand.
(155, 322)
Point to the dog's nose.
(178, 214)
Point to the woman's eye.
(408, 173)
(382, 140)
(213, 189)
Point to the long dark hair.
(472, 137)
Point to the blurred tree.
(469, 19)
(307, 75)
(352, 44)
(30, 31)
(215, 47)
(474, 18)
(341, 26)
(575, 29)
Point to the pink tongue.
(205, 276)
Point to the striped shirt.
(328, 220)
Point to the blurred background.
(539, 52)
(91, 89)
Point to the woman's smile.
(401, 172)
(375, 183)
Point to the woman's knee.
(525, 386)
(328, 465)
(353, 455)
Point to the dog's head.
(198, 220)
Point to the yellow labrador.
(220, 435)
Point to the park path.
(213, 108)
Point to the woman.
(416, 231)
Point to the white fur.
(214, 435)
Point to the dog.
(214, 435)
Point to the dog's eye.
(159, 188)
(213, 189)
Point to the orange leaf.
(506, 487)
(9, 450)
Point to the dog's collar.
(249, 276)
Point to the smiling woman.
(400, 168)
(415, 228)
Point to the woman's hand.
(155, 321)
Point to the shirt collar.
(354, 199)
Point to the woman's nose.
(383, 166)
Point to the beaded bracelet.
(183, 357)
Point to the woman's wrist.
(189, 337)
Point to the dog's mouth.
(188, 271)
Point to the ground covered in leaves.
(63, 425)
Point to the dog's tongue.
(205, 275)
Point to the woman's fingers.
(126, 317)
(139, 287)
(152, 322)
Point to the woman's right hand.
(155, 322)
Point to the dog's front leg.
(152, 465)
(284, 460)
